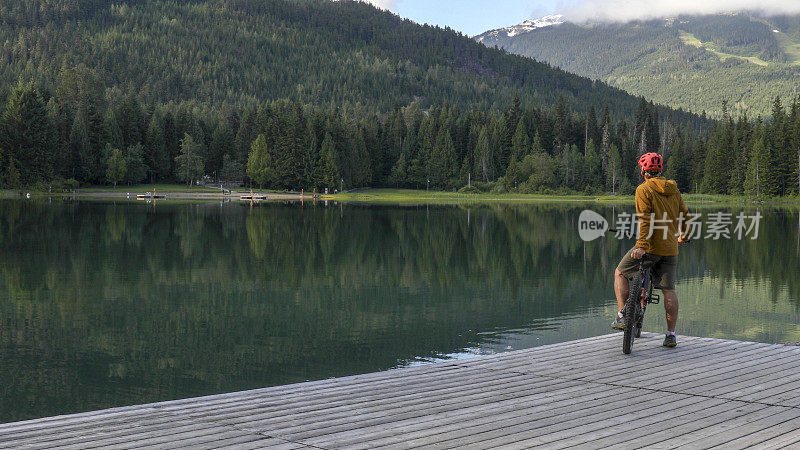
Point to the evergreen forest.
(290, 94)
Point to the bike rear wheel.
(631, 317)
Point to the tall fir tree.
(330, 164)
(260, 167)
(759, 180)
(483, 153)
(442, 167)
(717, 172)
(27, 134)
(520, 143)
(189, 164)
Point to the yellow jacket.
(659, 206)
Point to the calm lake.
(105, 304)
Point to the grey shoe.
(670, 341)
(618, 323)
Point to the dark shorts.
(663, 269)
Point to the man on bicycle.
(663, 218)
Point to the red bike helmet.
(651, 162)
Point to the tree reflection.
(107, 305)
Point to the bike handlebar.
(614, 230)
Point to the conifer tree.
(86, 155)
(675, 165)
(717, 171)
(653, 129)
(135, 167)
(362, 174)
(156, 155)
(260, 167)
(781, 149)
(26, 134)
(591, 132)
(246, 134)
(399, 175)
(593, 167)
(287, 157)
(793, 153)
(758, 181)
(483, 152)
(520, 143)
(443, 159)
(614, 169)
(222, 140)
(561, 125)
(232, 170)
(330, 172)
(740, 142)
(130, 120)
(113, 132)
(12, 175)
(189, 164)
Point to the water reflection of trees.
(113, 304)
(773, 257)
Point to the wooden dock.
(254, 197)
(151, 197)
(585, 394)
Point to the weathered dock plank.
(585, 393)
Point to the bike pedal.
(654, 299)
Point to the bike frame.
(647, 285)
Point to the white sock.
(671, 333)
(619, 314)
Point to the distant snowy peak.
(524, 27)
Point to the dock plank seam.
(644, 388)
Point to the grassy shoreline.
(404, 195)
(379, 195)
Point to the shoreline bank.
(380, 196)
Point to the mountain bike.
(640, 294)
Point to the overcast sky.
(476, 16)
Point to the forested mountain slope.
(695, 63)
(239, 51)
(298, 94)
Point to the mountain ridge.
(524, 27)
(697, 63)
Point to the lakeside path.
(585, 393)
(205, 195)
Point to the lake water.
(107, 304)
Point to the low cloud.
(628, 10)
(383, 4)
